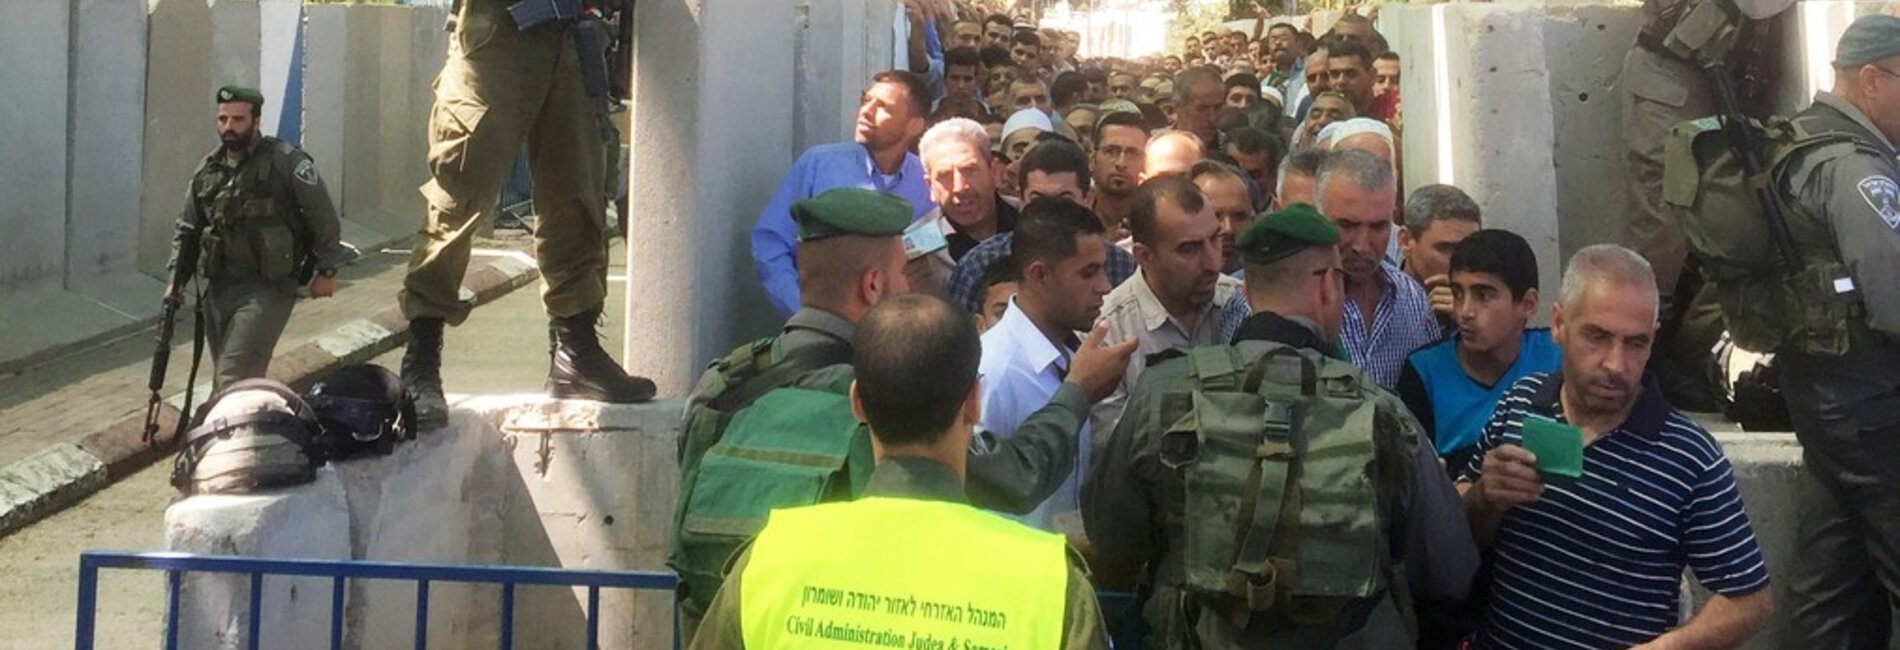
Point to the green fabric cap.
(1870, 38)
(851, 211)
(241, 94)
(1281, 234)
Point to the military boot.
(580, 369)
(422, 374)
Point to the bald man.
(1174, 152)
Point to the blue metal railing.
(175, 565)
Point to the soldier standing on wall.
(519, 71)
(257, 225)
(1663, 83)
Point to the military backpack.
(1294, 466)
(764, 430)
(1767, 304)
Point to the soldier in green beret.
(1840, 354)
(850, 257)
(257, 224)
(1226, 475)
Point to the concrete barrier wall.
(720, 111)
(112, 112)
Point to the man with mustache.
(1387, 313)
(1596, 560)
(1178, 298)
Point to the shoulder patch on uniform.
(1883, 195)
(306, 172)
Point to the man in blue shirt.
(890, 118)
(1452, 385)
(1596, 561)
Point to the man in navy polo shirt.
(1595, 561)
(1451, 386)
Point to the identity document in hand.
(1558, 446)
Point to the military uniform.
(1136, 503)
(249, 228)
(1845, 201)
(727, 623)
(1020, 472)
(501, 86)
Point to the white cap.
(1337, 131)
(1028, 117)
(1272, 94)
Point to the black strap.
(832, 352)
(185, 416)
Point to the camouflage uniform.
(254, 224)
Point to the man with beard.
(1387, 313)
(956, 155)
(256, 218)
(1178, 298)
(1117, 165)
(1063, 258)
(1596, 557)
(997, 30)
(891, 116)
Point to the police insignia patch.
(1883, 195)
(307, 173)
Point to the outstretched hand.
(1098, 368)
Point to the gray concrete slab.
(33, 123)
(106, 140)
(179, 124)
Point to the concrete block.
(179, 129)
(326, 44)
(602, 480)
(33, 127)
(236, 33)
(108, 127)
(708, 161)
(440, 499)
(1768, 473)
(307, 521)
(41, 484)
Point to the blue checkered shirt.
(1402, 322)
(969, 273)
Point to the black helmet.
(1749, 388)
(257, 434)
(361, 410)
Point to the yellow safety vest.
(902, 573)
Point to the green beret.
(1870, 38)
(241, 94)
(851, 211)
(1279, 235)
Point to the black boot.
(580, 369)
(422, 374)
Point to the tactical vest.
(1294, 466)
(248, 232)
(1768, 306)
(1695, 31)
(763, 430)
(902, 573)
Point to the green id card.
(1558, 446)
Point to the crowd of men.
(1154, 257)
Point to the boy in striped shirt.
(1594, 562)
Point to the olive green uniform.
(501, 86)
(1846, 408)
(253, 225)
(909, 478)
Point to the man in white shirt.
(1061, 252)
(1179, 298)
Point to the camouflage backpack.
(1767, 304)
(1294, 465)
(764, 430)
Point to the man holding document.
(1594, 493)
